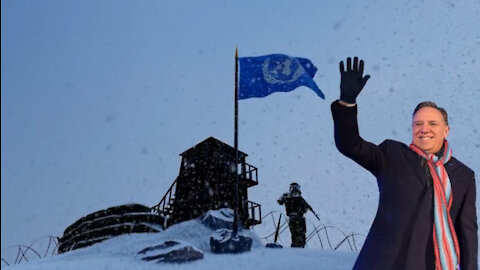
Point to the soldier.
(296, 207)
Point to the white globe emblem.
(281, 69)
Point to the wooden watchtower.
(206, 181)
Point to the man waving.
(426, 216)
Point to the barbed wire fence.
(40, 248)
(319, 235)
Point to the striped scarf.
(447, 252)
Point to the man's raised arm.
(344, 111)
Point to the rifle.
(311, 209)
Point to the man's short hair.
(432, 105)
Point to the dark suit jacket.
(401, 233)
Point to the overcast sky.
(98, 98)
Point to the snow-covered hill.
(122, 253)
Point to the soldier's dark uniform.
(296, 207)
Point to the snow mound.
(218, 219)
(122, 252)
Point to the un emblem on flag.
(281, 69)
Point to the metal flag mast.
(224, 240)
(235, 217)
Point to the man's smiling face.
(429, 129)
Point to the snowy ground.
(120, 253)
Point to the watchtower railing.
(251, 173)
(254, 211)
(167, 199)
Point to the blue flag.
(263, 75)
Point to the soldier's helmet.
(295, 188)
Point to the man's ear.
(447, 131)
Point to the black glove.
(352, 80)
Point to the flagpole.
(235, 217)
